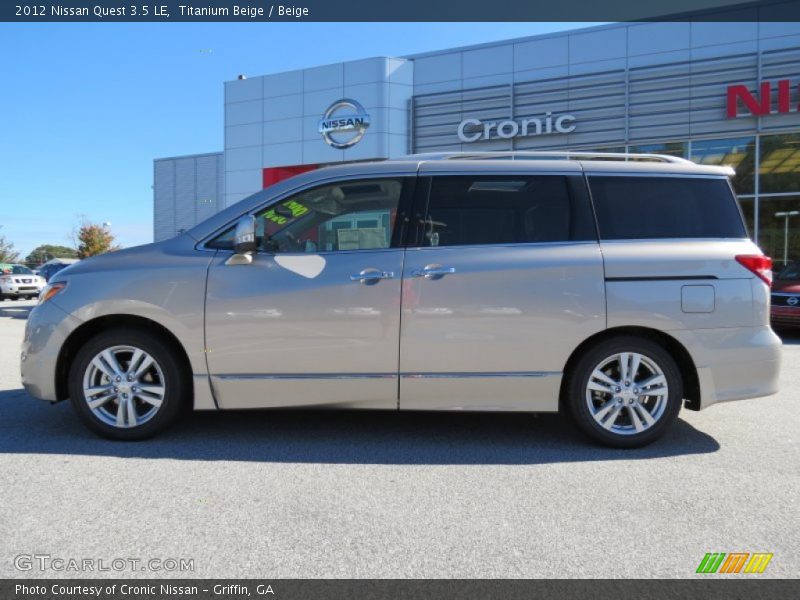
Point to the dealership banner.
(407, 10)
(391, 589)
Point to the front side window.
(636, 208)
(467, 211)
(351, 215)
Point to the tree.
(41, 254)
(7, 252)
(94, 239)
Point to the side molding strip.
(666, 278)
(449, 375)
(467, 375)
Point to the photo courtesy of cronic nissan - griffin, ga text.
(615, 288)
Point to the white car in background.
(18, 281)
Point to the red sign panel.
(272, 175)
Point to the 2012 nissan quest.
(613, 287)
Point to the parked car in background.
(785, 309)
(53, 266)
(18, 281)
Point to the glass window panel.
(679, 149)
(665, 207)
(780, 163)
(465, 211)
(779, 229)
(348, 215)
(615, 149)
(739, 153)
(748, 206)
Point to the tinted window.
(506, 210)
(665, 207)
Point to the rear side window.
(466, 211)
(665, 207)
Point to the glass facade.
(779, 228)
(779, 171)
(671, 148)
(739, 153)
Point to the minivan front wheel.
(126, 384)
(625, 392)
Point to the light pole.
(786, 216)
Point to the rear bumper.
(734, 363)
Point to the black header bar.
(399, 10)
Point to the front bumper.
(47, 329)
(20, 290)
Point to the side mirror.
(244, 241)
(244, 237)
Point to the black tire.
(177, 386)
(578, 404)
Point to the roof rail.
(547, 154)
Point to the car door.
(313, 320)
(503, 280)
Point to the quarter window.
(505, 210)
(665, 207)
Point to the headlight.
(51, 290)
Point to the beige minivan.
(616, 288)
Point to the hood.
(136, 257)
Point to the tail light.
(758, 265)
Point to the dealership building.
(715, 93)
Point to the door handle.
(433, 272)
(369, 276)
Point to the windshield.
(15, 270)
(790, 271)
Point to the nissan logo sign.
(792, 301)
(343, 124)
(473, 130)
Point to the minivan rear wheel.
(625, 392)
(126, 384)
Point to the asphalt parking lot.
(314, 494)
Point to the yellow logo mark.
(758, 562)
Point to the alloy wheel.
(124, 386)
(627, 393)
